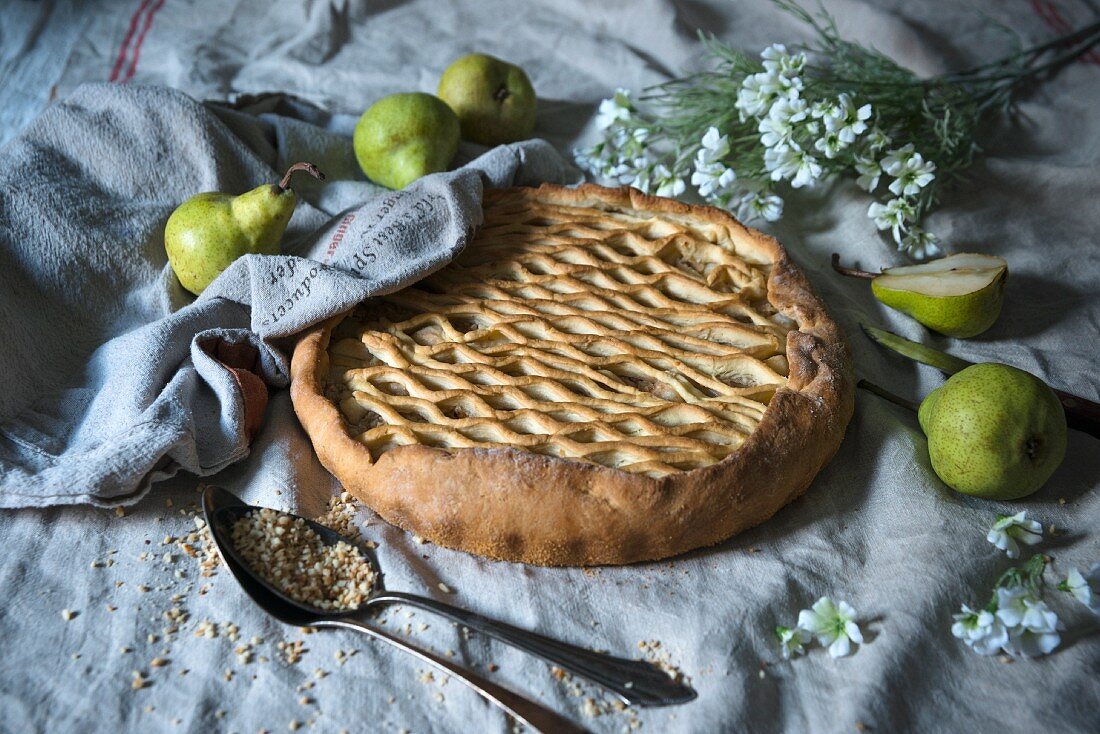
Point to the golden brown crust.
(519, 506)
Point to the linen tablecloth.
(876, 529)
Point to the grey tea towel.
(115, 379)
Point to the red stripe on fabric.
(1063, 25)
(126, 41)
(1041, 10)
(1050, 15)
(141, 39)
(1056, 17)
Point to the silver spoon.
(635, 682)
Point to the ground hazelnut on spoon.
(291, 556)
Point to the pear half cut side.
(959, 295)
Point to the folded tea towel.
(117, 377)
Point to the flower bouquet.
(750, 131)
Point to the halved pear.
(958, 295)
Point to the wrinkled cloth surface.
(876, 529)
(168, 394)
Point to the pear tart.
(601, 377)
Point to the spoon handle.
(634, 681)
(532, 714)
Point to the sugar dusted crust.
(518, 505)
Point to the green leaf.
(914, 350)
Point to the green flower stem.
(1029, 575)
(1083, 35)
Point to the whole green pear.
(994, 431)
(405, 136)
(206, 233)
(494, 100)
(958, 295)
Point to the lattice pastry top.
(586, 361)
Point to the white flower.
(830, 144)
(852, 120)
(876, 140)
(626, 142)
(791, 163)
(715, 145)
(711, 176)
(626, 138)
(1012, 528)
(833, 625)
(809, 171)
(634, 172)
(757, 93)
(667, 184)
(778, 126)
(601, 159)
(791, 641)
(896, 160)
(781, 162)
(630, 138)
(1036, 633)
(589, 158)
(778, 61)
(893, 215)
(829, 112)
(981, 630)
(1032, 626)
(1085, 589)
(671, 187)
(614, 109)
(760, 205)
(920, 244)
(621, 153)
(712, 179)
(869, 172)
(912, 176)
(780, 78)
(640, 177)
(1011, 606)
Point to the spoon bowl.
(223, 510)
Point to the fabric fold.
(187, 389)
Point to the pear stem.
(309, 168)
(887, 395)
(851, 272)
